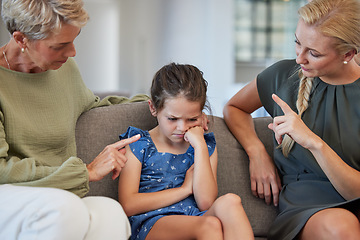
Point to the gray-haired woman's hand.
(111, 159)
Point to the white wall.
(98, 46)
(4, 34)
(154, 33)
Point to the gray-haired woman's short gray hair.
(37, 19)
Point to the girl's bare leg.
(186, 227)
(229, 210)
(332, 223)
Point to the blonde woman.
(314, 101)
(41, 97)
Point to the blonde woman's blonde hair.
(339, 19)
(38, 19)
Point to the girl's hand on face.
(205, 121)
(195, 136)
(111, 159)
(291, 124)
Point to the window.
(264, 29)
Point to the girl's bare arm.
(134, 202)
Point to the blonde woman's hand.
(111, 159)
(291, 124)
(264, 178)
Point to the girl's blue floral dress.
(162, 171)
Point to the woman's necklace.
(6, 60)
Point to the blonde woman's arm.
(265, 182)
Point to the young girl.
(168, 186)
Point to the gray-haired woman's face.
(51, 53)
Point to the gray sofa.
(102, 126)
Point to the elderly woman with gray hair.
(41, 97)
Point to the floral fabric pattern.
(161, 171)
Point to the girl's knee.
(228, 201)
(232, 198)
(211, 224)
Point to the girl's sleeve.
(211, 142)
(140, 148)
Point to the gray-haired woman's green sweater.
(38, 114)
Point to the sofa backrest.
(100, 127)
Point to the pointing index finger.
(283, 105)
(122, 143)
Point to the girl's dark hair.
(174, 80)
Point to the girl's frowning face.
(177, 116)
